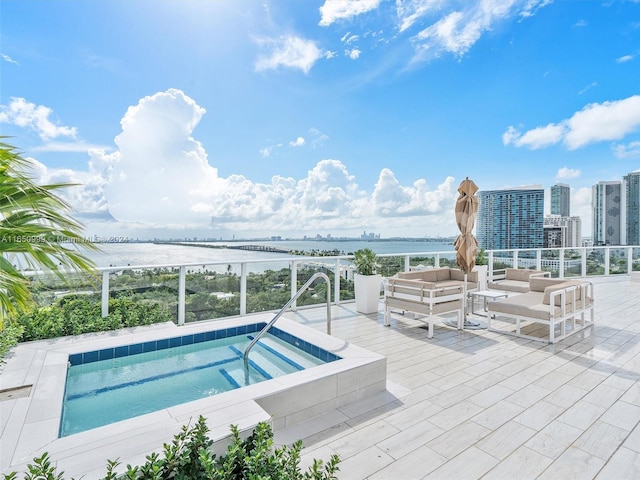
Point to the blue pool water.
(138, 379)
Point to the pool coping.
(30, 425)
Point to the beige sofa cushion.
(510, 286)
(538, 284)
(429, 275)
(569, 296)
(517, 274)
(443, 274)
(526, 305)
(457, 274)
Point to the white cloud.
(8, 59)
(266, 151)
(79, 146)
(456, 30)
(581, 207)
(160, 177)
(334, 10)
(588, 87)
(390, 199)
(289, 52)
(25, 114)
(567, 173)
(409, 11)
(352, 54)
(349, 38)
(298, 142)
(631, 150)
(596, 122)
(318, 137)
(537, 138)
(625, 58)
(162, 174)
(605, 121)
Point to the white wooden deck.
(475, 404)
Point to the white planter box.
(367, 292)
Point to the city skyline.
(220, 118)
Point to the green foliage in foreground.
(9, 336)
(76, 315)
(36, 224)
(189, 457)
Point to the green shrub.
(9, 336)
(189, 457)
(75, 315)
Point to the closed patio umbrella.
(466, 244)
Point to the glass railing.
(194, 292)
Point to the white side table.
(485, 295)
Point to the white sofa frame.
(420, 298)
(570, 310)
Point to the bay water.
(148, 254)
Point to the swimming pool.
(39, 369)
(126, 381)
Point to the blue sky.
(251, 118)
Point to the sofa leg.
(430, 334)
(387, 316)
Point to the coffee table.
(485, 295)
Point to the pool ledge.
(29, 425)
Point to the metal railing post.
(182, 298)
(243, 289)
(105, 293)
(336, 283)
(294, 283)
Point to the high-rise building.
(570, 229)
(607, 203)
(511, 218)
(631, 186)
(560, 200)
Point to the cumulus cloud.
(567, 173)
(459, 24)
(162, 175)
(390, 199)
(596, 122)
(289, 52)
(334, 10)
(298, 142)
(159, 176)
(25, 114)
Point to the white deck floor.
(475, 404)
(478, 404)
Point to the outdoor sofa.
(555, 304)
(428, 292)
(516, 280)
